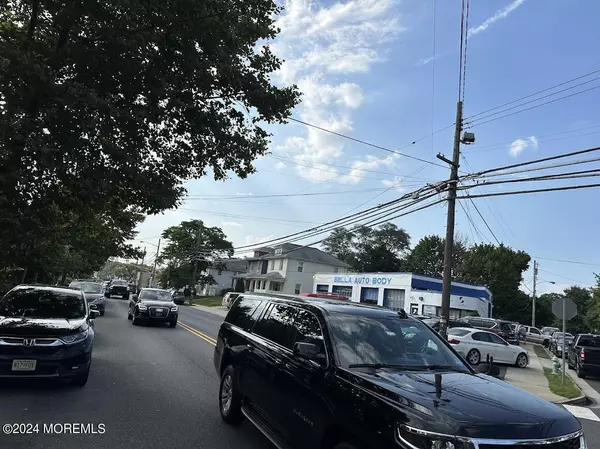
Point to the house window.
(272, 265)
(300, 267)
(336, 270)
(297, 289)
(281, 264)
(278, 251)
(275, 286)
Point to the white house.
(416, 294)
(288, 268)
(223, 272)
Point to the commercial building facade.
(416, 294)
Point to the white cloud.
(519, 145)
(231, 224)
(321, 43)
(280, 165)
(253, 240)
(500, 14)
(395, 184)
(355, 175)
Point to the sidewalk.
(533, 380)
(218, 310)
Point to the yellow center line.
(199, 334)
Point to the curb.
(579, 400)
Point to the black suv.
(46, 332)
(318, 373)
(117, 287)
(503, 329)
(153, 305)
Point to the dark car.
(46, 332)
(153, 305)
(317, 373)
(93, 292)
(117, 287)
(178, 297)
(583, 355)
(434, 323)
(502, 328)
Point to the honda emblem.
(29, 342)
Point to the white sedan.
(477, 344)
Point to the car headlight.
(174, 309)
(142, 307)
(421, 439)
(75, 338)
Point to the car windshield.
(120, 283)
(155, 295)
(88, 287)
(42, 304)
(401, 342)
(591, 341)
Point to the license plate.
(24, 365)
(159, 310)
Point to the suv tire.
(230, 404)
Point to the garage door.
(369, 295)
(393, 298)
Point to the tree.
(368, 249)
(105, 101)
(592, 314)
(427, 257)
(500, 268)
(583, 298)
(190, 250)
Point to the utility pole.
(535, 273)
(155, 260)
(144, 255)
(195, 272)
(449, 242)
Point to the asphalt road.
(149, 386)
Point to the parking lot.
(148, 386)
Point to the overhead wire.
(523, 192)
(568, 261)
(564, 277)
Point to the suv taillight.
(454, 341)
(582, 355)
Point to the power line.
(569, 261)
(484, 220)
(364, 142)
(564, 277)
(535, 161)
(536, 93)
(522, 192)
(545, 167)
(248, 217)
(531, 107)
(282, 195)
(553, 177)
(535, 99)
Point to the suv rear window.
(42, 304)
(277, 325)
(243, 313)
(589, 341)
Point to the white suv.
(228, 299)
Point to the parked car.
(318, 373)
(583, 355)
(434, 323)
(502, 328)
(93, 293)
(534, 335)
(153, 305)
(229, 298)
(178, 297)
(479, 344)
(117, 287)
(559, 343)
(46, 332)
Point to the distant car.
(500, 327)
(477, 344)
(229, 298)
(434, 323)
(178, 297)
(46, 332)
(117, 287)
(93, 292)
(153, 305)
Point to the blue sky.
(367, 69)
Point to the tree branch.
(33, 20)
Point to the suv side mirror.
(94, 313)
(134, 297)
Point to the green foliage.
(107, 108)
(192, 248)
(500, 269)
(427, 257)
(369, 250)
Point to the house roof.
(233, 264)
(304, 253)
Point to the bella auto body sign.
(376, 280)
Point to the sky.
(387, 72)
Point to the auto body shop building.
(415, 293)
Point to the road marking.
(582, 412)
(199, 334)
